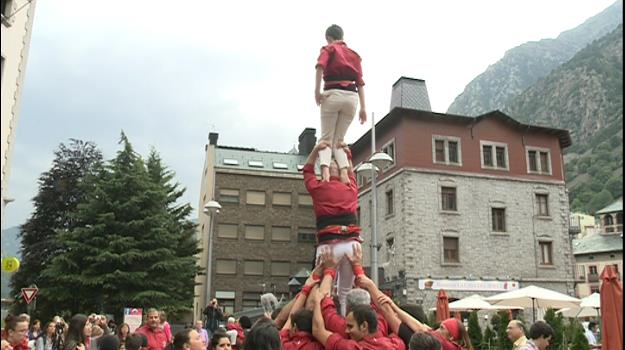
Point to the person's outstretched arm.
(319, 329)
(310, 286)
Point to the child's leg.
(345, 117)
(329, 114)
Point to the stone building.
(595, 251)
(476, 205)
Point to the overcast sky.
(169, 72)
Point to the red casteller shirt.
(157, 339)
(240, 332)
(340, 62)
(299, 341)
(445, 344)
(336, 323)
(336, 342)
(332, 198)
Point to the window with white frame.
(538, 160)
(446, 150)
(389, 149)
(494, 155)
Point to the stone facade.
(418, 224)
(300, 218)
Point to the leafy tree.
(475, 332)
(615, 186)
(130, 246)
(600, 200)
(60, 191)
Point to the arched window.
(607, 220)
(619, 218)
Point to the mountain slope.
(584, 95)
(523, 65)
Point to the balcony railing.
(593, 278)
(613, 228)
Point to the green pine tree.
(126, 249)
(489, 339)
(182, 273)
(60, 191)
(557, 323)
(475, 332)
(575, 336)
(500, 321)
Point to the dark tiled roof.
(616, 206)
(598, 243)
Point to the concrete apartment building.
(265, 231)
(475, 205)
(595, 251)
(17, 23)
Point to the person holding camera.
(212, 316)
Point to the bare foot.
(344, 176)
(325, 173)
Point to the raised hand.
(355, 258)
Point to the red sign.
(29, 294)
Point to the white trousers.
(338, 109)
(344, 272)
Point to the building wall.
(419, 225)
(300, 218)
(588, 282)
(414, 146)
(16, 33)
(614, 225)
(207, 193)
(582, 223)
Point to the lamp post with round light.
(211, 208)
(371, 167)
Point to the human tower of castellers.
(338, 308)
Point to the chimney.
(307, 141)
(410, 93)
(212, 138)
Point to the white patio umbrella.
(476, 302)
(533, 297)
(588, 307)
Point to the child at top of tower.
(343, 89)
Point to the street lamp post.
(211, 208)
(378, 160)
